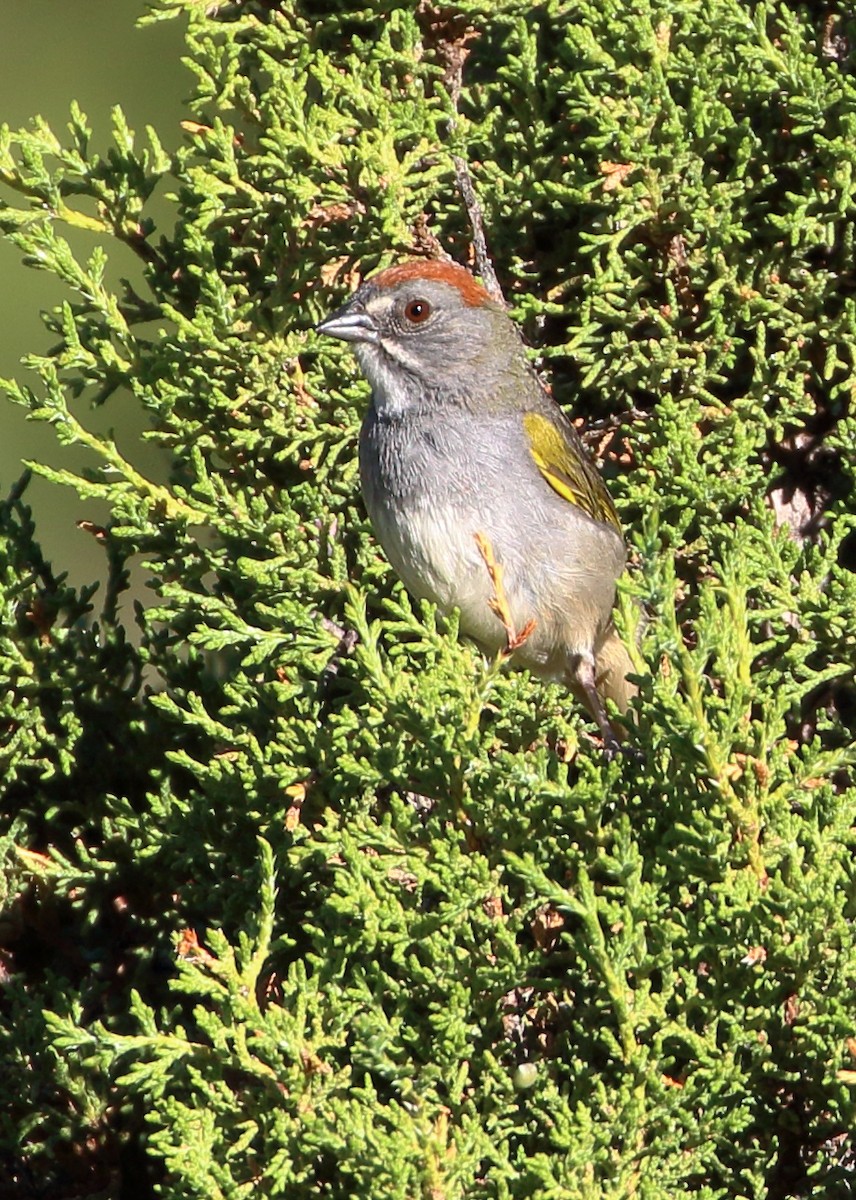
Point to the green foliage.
(294, 914)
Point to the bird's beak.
(349, 324)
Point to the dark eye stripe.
(417, 311)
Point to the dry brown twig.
(498, 603)
(448, 34)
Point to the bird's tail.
(612, 666)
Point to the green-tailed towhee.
(478, 486)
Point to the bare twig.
(484, 266)
(448, 34)
(498, 603)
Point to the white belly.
(551, 582)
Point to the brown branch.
(484, 266)
(448, 33)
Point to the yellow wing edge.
(555, 457)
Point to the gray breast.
(430, 487)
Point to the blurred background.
(92, 52)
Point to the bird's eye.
(417, 311)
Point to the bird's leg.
(585, 681)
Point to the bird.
(478, 486)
